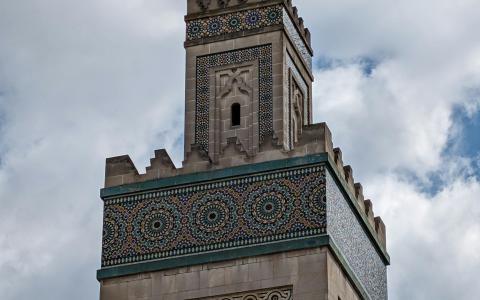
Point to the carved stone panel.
(284, 293)
(296, 113)
(296, 105)
(260, 58)
(235, 85)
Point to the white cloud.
(433, 241)
(80, 81)
(400, 120)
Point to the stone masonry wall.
(303, 271)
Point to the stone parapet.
(316, 138)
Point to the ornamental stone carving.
(223, 3)
(203, 4)
(271, 294)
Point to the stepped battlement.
(316, 139)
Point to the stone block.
(117, 291)
(216, 277)
(140, 289)
(163, 284)
(260, 270)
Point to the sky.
(398, 83)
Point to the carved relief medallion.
(284, 293)
(223, 3)
(203, 4)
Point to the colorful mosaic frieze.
(270, 294)
(265, 83)
(354, 244)
(227, 214)
(234, 22)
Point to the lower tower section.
(288, 228)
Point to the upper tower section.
(248, 80)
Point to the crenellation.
(381, 231)
(347, 170)
(369, 213)
(301, 24)
(359, 195)
(295, 14)
(120, 170)
(161, 166)
(308, 36)
(338, 159)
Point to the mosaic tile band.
(249, 20)
(265, 83)
(222, 215)
(297, 40)
(354, 243)
(234, 22)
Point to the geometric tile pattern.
(265, 83)
(230, 213)
(234, 22)
(270, 294)
(354, 244)
(297, 40)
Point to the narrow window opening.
(235, 114)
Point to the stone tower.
(263, 207)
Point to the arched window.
(235, 114)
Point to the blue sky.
(80, 81)
(468, 138)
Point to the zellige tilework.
(231, 213)
(354, 243)
(234, 22)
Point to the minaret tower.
(262, 207)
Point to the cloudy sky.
(398, 82)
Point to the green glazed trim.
(214, 256)
(202, 177)
(238, 253)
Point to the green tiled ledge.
(203, 177)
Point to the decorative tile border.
(249, 20)
(204, 63)
(213, 216)
(234, 22)
(354, 244)
(297, 40)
